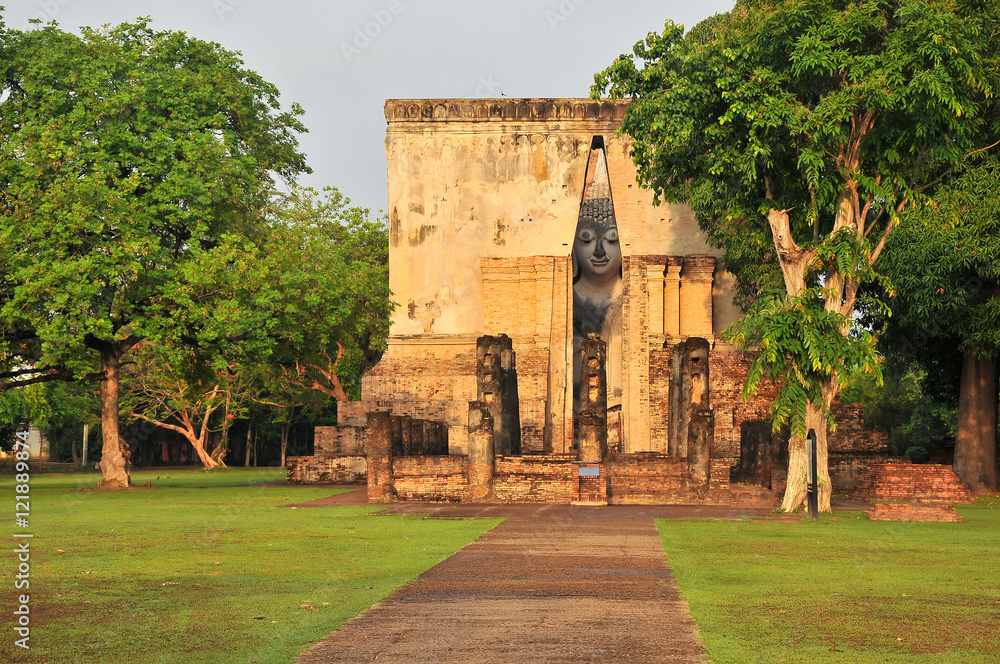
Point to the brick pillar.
(672, 298)
(655, 271)
(481, 453)
(496, 379)
(696, 401)
(592, 432)
(381, 484)
(696, 297)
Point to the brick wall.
(848, 470)
(339, 440)
(346, 469)
(911, 512)
(851, 435)
(650, 478)
(534, 479)
(431, 478)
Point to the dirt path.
(550, 584)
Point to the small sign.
(590, 471)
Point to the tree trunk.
(204, 456)
(285, 430)
(796, 490)
(112, 458)
(246, 461)
(976, 435)
(72, 448)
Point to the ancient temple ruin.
(558, 336)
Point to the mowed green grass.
(843, 589)
(203, 567)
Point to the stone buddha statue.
(597, 279)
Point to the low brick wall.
(646, 479)
(343, 469)
(437, 478)
(534, 479)
(907, 482)
(914, 512)
(848, 470)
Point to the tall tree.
(798, 130)
(125, 154)
(944, 264)
(329, 263)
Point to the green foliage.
(309, 280)
(903, 407)
(800, 343)
(836, 114)
(128, 156)
(944, 264)
(328, 265)
(781, 105)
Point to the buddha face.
(596, 250)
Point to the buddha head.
(597, 257)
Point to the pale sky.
(341, 60)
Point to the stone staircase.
(913, 483)
(912, 492)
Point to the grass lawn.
(844, 589)
(203, 567)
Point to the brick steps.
(752, 495)
(912, 483)
(914, 512)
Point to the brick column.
(672, 298)
(592, 433)
(696, 297)
(496, 378)
(381, 484)
(481, 453)
(654, 286)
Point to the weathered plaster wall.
(495, 178)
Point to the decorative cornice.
(504, 109)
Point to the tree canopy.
(127, 156)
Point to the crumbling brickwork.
(912, 512)
(431, 478)
(534, 479)
(338, 440)
(343, 469)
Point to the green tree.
(798, 131)
(289, 314)
(944, 264)
(126, 156)
(179, 391)
(329, 267)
